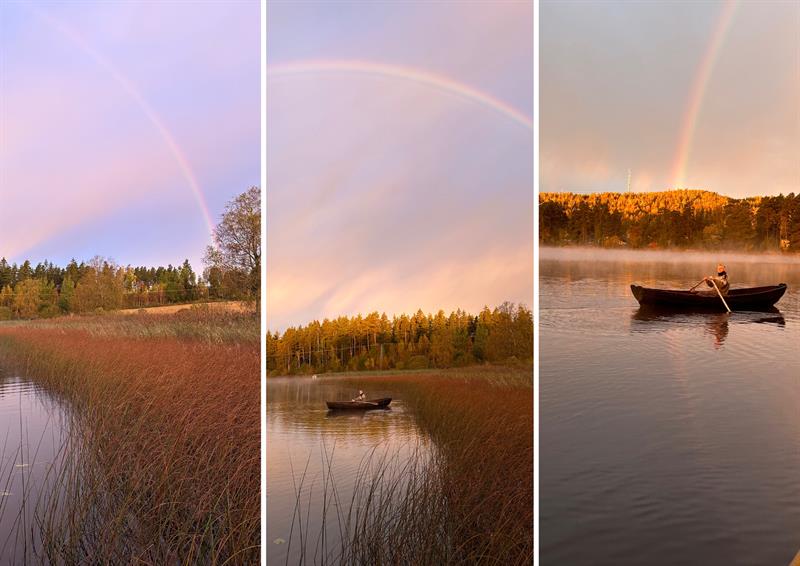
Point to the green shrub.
(49, 311)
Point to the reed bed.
(197, 322)
(465, 499)
(162, 466)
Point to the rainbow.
(439, 82)
(152, 116)
(697, 93)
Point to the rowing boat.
(752, 298)
(359, 405)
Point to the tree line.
(233, 267)
(671, 219)
(48, 290)
(417, 341)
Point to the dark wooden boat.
(359, 405)
(753, 298)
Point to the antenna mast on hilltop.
(629, 180)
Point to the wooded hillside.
(671, 219)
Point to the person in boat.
(720, 279)
(360, 396)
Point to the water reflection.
(717, 325)
(666, 437)
(310, 449)
(355, 416)
(33, 431)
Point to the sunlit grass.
(196, 322)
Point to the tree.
(27, 296)
(102, 286)
(237, 242)
(65, 296)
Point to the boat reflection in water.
(654, 319)
(356, 416)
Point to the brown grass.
(481, 420)
(168, 467)
(197, 323)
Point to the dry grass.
(196, 323)
(217, 307)
(166, 466)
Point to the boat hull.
(359, 405)
(754, 298)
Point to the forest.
(375, 342)
(683, 219)
(48, 290)
(233, 267)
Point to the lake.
(33, 432)
(314, 452)
(666, 439)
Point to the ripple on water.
(669, 439)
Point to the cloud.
(409, 199)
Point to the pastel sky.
(125, 126)
(399, 157)
(690, 94)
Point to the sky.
(399, 157)
(125, 127)
(684, 94)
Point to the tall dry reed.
(465, 499)
(166, 466)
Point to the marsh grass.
(162, 464)
(194, 323)
(465, 499)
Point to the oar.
(720, 295)
(696, 286)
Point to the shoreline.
(481, 369)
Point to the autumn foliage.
(417, 341)
(671, 219)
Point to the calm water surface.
(304, 437)
(667, 439)
(33, 430)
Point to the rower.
(720, 279)
(361, 396)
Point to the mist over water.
(587, 254)
(667, 438)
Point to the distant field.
(219, 306)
